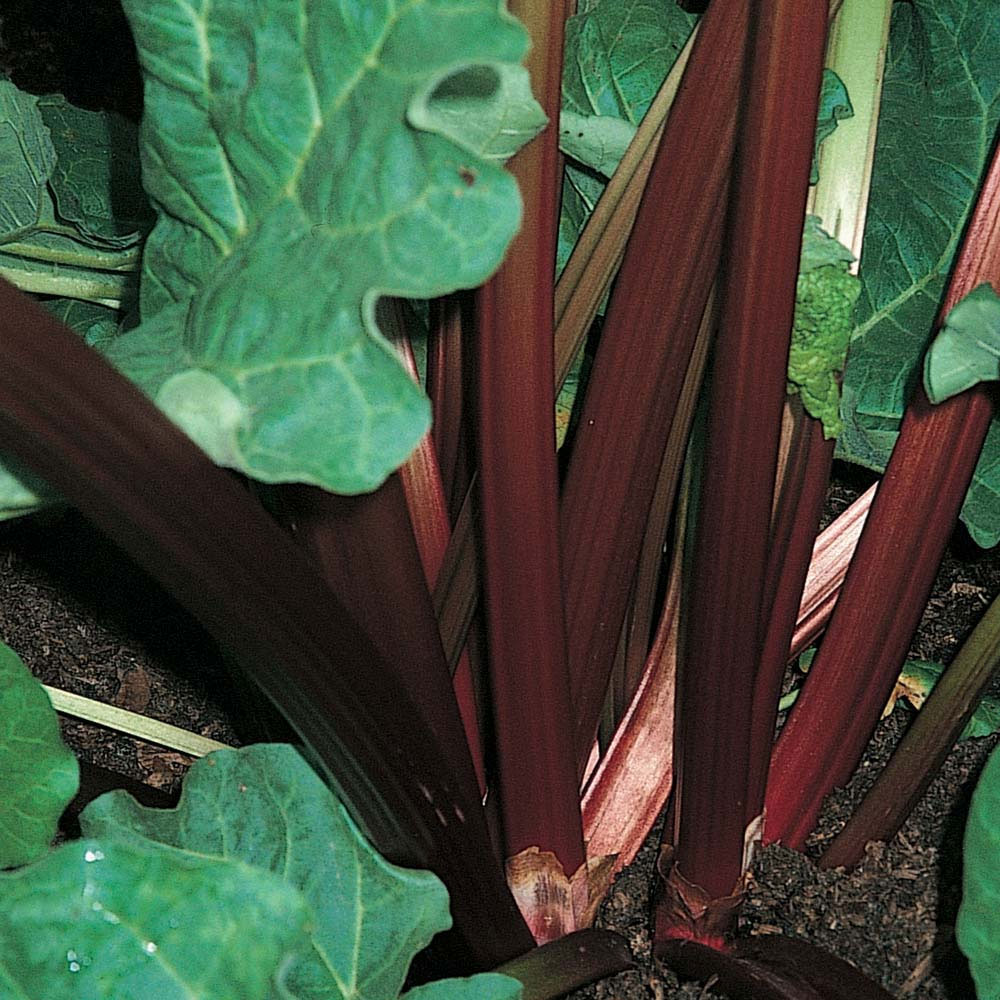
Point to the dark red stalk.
(649, 332)
(798, 505)
(537, 778)
(724, 634)
(420, 477)
(771, 967)
(886, 588)
(365, 549)
(66, 414)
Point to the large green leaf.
(978, 925)
(105, 920)
(939, 117)
(265, 807)
(305, 158)
(38, 774)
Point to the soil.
(86, 620)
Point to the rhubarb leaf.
(939, 116)
(38, 773)
(966, 350)
(96, 180)
(286, 148)
(616, 57)
(489, 110)
(264, 807)
(596, 141)
(28, 158)
(96, 324)
(978, 926)
(108, 920)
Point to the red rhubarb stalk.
(66, 414)
(536, 773)
(757, 290)
(425, 502)
(450, 321)
(798, 505)
(911, 518)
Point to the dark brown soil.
(86, 621)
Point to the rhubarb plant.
(303, 163)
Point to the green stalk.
(106, 288)
(730, 550)
(537, 781)
(140, 726)
(84, 257)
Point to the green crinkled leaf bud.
(824, 310)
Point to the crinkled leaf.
(966, 350)
(265, 807)
(292, 190)
(96, 180)
(28, 158)
(825, 296)
(939, 116)
(834, 107)
(106, 920)
(819, 248)
(486, 986)
(38, 773)
(978, 926)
